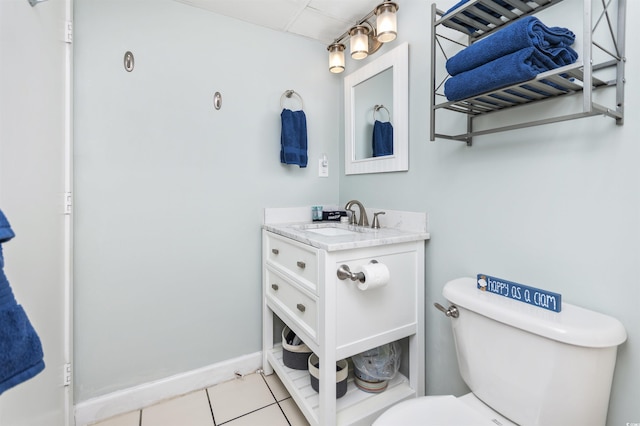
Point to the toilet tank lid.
(573, 325)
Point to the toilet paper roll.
(375, 275)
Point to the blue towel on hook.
(293, 138)
(21, 355)
(382, 139)
(527, 32)
(516, 67)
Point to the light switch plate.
(323, 167)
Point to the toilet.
(524, 365)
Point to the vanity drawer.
(293, 301)
(297, 259)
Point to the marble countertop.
(336, 236)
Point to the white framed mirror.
(379, 91)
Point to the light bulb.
(386, 22)
(336, 57)
(359, 42)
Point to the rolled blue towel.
(21, 355)
(293, 138)
(382, 139)
(513, 68)
(527, 32)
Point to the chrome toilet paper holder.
(344, 272)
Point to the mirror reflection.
(376, 107)
(373, 107)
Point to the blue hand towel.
(293, 138)
(513, 68)
(21, 355)
(382, 139)
(527, 32)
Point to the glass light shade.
(386, 22)
(359, 42)
(336, 57)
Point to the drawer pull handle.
(301, 307)
(301, 264)
(274, 286)
(275, 251)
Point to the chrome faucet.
(363, 221)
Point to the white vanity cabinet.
(337, 320)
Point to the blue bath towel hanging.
(21, 355)
(382, 139)
(293, 138)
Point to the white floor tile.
(276, 386)
(192, 409)
(241, 402)
(129, 419)
(293, 413)
(269, 416)
(239, 396)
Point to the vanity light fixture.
(386, 22)
(359, 41)
(336, 57)
(365, 37)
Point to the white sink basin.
(331, 232)
(332, 229)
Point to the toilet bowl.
(444, 410)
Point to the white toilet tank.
(534, 366)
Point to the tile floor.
(251, 400)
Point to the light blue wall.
(556, 207)
(169, 192)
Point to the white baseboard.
(138, 397)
